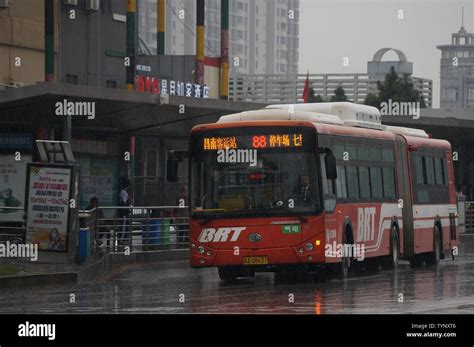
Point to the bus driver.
(304, 189)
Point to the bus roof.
(330, 129)
(338, 118)
(353, 131)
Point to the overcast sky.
(333, 29)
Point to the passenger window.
(389, 182)
(352, 151)
(375, 154)
(376, 182)
(429, 166)
(341, 187)
(439, 171)
(364, 182)
(423, 196)
(387, 155)
(352, 182)
(418, 168)
(444, 172)
(363, 153)
(338, 151)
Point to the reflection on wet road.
(173, 287)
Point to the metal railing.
(136, 229)
(12, 229)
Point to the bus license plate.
(255, 260)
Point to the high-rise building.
(263, 34)
(22, 44)
(180, 26)
(457, 71)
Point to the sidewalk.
(32, 268)
(19, 273)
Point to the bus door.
(404, 193)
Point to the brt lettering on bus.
(220, 234)
(365, 224)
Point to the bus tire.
(433, 258)
(391, 262)
(343, 268)
(227, 274)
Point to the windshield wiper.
(290, 211)
(262, 211)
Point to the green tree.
(372, 99)
(408, 92)
(396, 89)
(339, 95)
(319, 98)
(313, 97)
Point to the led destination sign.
(254, 141)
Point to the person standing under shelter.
(95, 220)
(122, 212)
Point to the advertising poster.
(99, 178)
(12, 187)
(48, 207)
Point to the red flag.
(306, 89)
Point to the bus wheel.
(227, 274)
(346, 262)
(391, 262)
(433, 258)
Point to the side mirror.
(174, 158)
(172, 170)
(330, 162)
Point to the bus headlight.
(208, 253)
(309, 246)
(301, 250)
(200, 250)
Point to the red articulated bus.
(295, 187)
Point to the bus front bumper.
(261, 257)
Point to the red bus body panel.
(370, 223)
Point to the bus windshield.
(254, 172)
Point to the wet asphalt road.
(159, 288)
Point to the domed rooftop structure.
(378, 68)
